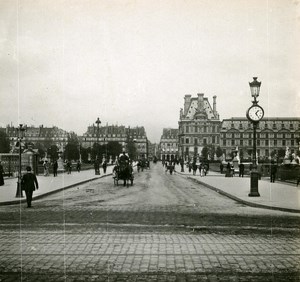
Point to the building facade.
(199, 126)
(168, 145)
(42, 136)
(121, 134)
(273, 134)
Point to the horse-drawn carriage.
(123, 171)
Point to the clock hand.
(256, 113)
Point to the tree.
(219, 152)
(72, 147)
(4, 142)
(204, 152)
(132, 151)
(114, 149)
(53, 152)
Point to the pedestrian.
(69, 167)
(104, 166)
(46, 168)
(206, 168)
(96, 167)
(201, 168)
(194, 168)
(273, 172)
(221, 167)
(78, 166)
(55, 167)
(29, 184)
(241, 170)
(1, 175)
(228, 170)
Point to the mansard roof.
(194, 112)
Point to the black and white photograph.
(149, 140)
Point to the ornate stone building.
(199, 125)
(120, 134)
(273, 134)
(45, 136)
(168, 145)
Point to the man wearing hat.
(29, 184)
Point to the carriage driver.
(123, 158)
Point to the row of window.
(275, 126)
(234, 142)
(259, 135)
(200, 129)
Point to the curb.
(23, 200)
(255, 205)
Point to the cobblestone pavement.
(163, 228)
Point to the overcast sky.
(131, 62)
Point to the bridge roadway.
(163, 228)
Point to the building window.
(292, 142)
(187, 141)
(266, 125)
(241, 126)
(291, 126)
(283, 142)
(232, 142)
(258, 142)
(274, 126)
(187, 129)
(275, 142)
(241, 142)
(213, 139)
(250, 142)
(282, 125)
(267, 142)
(204, 141)
(232, 125)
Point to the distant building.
(44, 136)
(168, 144)
(199, 126)
(120, 134)
(273, 134)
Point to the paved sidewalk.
(278, 196)
(48, 184)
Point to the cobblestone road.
(161, 229)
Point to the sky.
(130, 62)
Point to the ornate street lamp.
(254, 114)
(98, 122)
(21, 130)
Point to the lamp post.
(254, 114)
(21, 130)
(98, 122)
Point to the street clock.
(255, 113)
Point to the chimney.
(187, 102)
(215, 106)
(200, 102)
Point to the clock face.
(255, 113)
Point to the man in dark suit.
(29, 184)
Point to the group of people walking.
(203, 168)
(97, 166)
